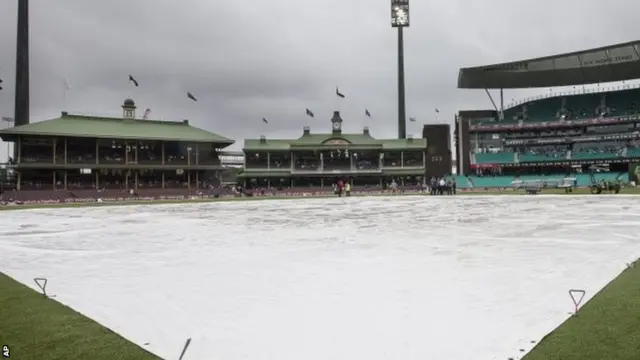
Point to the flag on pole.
(264, 120)
(412, 119)
(190, 96)
(437, 111)
(309, 113)
(339, 93)
(146, 114)
(66, 85)
(367, 113)
(133, 80)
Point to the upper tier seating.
(582, 106)
(595, 153)
(535, 154)
(578, 106)
(544, 110)
(623, 102)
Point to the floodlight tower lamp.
(400, 20)
(399, 13)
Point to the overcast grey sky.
(249, 59)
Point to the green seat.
(632, 152)
(624, 102)
(584, 105)
(491, 181)
(583, 179)
(619, 102)
(542, 157)
(462, 182)
(596, 154)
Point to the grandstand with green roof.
(562, 134)
(76, 154)
(316, 160)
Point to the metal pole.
(501, 104)
(402, 120)
(21, 111)
(9, 121)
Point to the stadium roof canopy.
(610, 63)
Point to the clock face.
(336, 126)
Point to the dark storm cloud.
(245, 60)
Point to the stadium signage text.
(611, 56)
(556, 124)
(608, 60)
(518, 66)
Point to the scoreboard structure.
(439, 157)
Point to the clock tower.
(336, 123)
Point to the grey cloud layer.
(250, 59)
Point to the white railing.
(231, 160)
(351, 170)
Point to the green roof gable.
(271, 145)
(316, 141)
(110, 128)
(399, 144)
(320, 139)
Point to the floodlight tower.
(21, 116)
(21, 110)
(400, 19)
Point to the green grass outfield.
(37, 328)
(606, 328)
(627, 191)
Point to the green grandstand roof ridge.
(114, 118)
(76, 125)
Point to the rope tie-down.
(577, 296)
(42, 284)
(184, 349)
